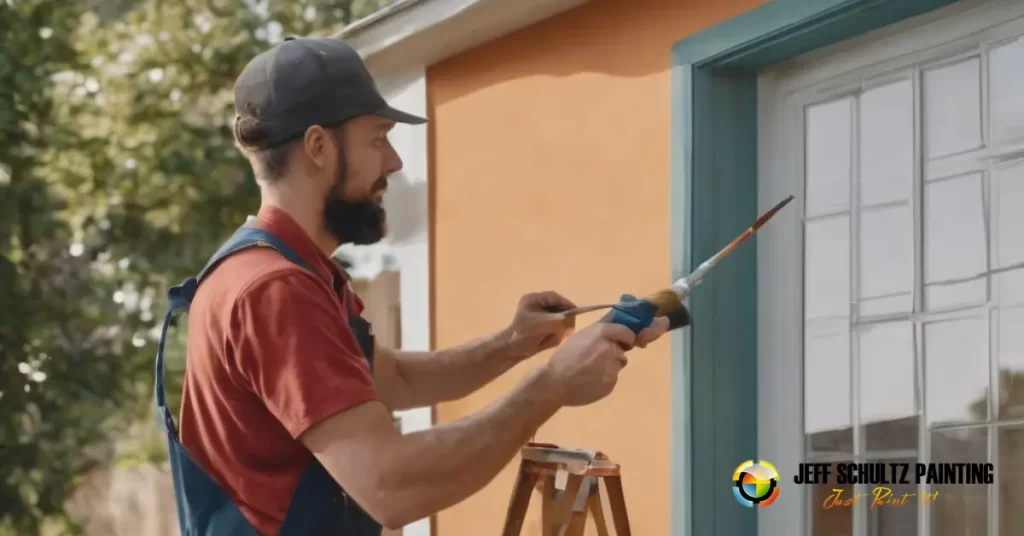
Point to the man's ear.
(316, 145)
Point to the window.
(913, 252)
(912, 326)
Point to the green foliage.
(118, 177)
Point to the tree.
(118, 177)
(56, 366)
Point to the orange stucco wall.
(550, 170)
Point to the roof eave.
(418, 33)
(353, 28)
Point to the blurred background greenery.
(118, 177)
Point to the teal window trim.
(714, 198)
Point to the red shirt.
(270, 355)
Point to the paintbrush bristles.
(670, 306)
(771, 213)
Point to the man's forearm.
(436, 468)
(450, 374)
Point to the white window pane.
(886, 354)
(828, 151)
(1010, 349)
(1011, 339)
(887, 253)
(826, 378)
(947, 296)
(954, 229)
(952, 108)
(961, 164)
(1010, 497)
(1006, 98)
(1008, 191)
(966, 506)
(886, 305)
(887, 143)
(956, 370)
(827, 267)
(1009, 287)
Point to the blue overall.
(319, 507)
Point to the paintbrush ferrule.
(685, 285)
(682, 288)
(703, 269)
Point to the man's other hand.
(538, 325)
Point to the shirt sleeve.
(295, 351)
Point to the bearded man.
(285, 423)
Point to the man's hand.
(586, 368)
(537, 324)
(651, 333)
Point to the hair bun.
(248, 131)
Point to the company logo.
(756, 484)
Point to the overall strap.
(180, 297)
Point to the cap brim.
(400, 116)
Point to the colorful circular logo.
(756, 484)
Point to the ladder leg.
(549, 500)
(617, 503)
(577, 524)
(578, 517)
(563, 510)
(595, 508)
(520, 501)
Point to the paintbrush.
(670, 301)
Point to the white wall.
(406, 204)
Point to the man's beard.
(354, 222)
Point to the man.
(287, 398)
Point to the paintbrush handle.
(731, 247)
(585, 309)
(685, 285)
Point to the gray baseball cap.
(302, 82)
